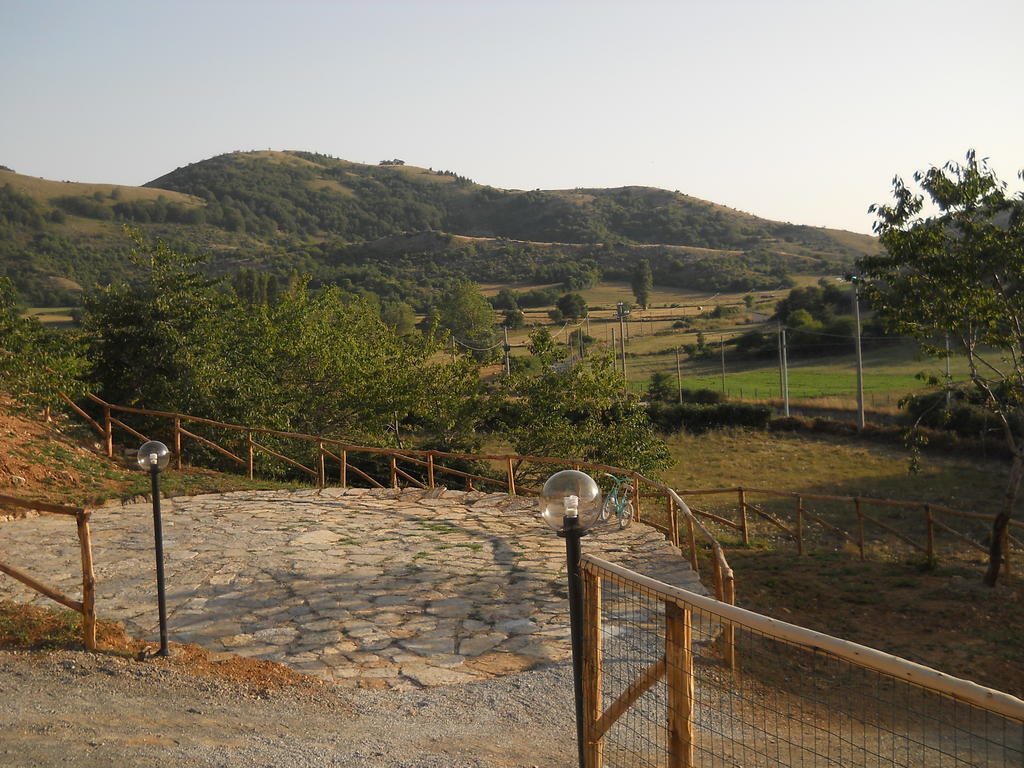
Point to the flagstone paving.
(379, 588)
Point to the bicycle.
(617, 501)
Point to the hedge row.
(697, 418)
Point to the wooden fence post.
(252, 455)
(343, 471)
(673, 521)
(679, 678)
(691, 541)
(430, 469)
(88, 582)
(108, 432)
(511, 477)
(177, 441)
(394, 471)
(593, 669)
(743, 518)
(321, 477)
(729, 630)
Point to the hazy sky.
(798, 111)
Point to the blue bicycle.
(617, 501)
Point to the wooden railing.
(87, 605)
(803, 520)
(672, 510)
(805, 698)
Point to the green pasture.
(889, 373)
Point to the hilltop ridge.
(394, 229)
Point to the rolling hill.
(395, 229)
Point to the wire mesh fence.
(680, 680)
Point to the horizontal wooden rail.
(87, 605)
(38, 586)
(285, 459)
(40, 506)
(211, 444)
(869, 658)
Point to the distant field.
(889, 373)
(57, 316)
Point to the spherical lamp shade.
(570, 493)
(154, 454)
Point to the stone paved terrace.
(369, 588)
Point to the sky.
(791, 110)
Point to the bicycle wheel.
(626, 516)
(608, 507)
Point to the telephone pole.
(860, 358)
(508, 362)
(783, 371)
(622, 339)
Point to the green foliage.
(642, 283)
(572, 306)
(323, 364)
(37, 363)
(958, 274)
(580, 411)
(468, 316)
(662, 387)
(698, 418)
(823, 302)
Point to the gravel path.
(85, 710)
(382, 588)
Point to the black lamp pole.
(571, 532)
(154, 474)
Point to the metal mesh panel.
(782, 704)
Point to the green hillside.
(395, 229)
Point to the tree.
(642, 283)
(572, 306)
(662, 387)
(159, 342)
(959, 273)
(468, 316)
(580, 412)
(514, 319)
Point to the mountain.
(396, 229)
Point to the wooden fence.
(658, 693)
(421, 469)
(87, 605)
(933, 519)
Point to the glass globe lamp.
(570, 493)
(154, 454)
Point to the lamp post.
(154, 457)
(571, 504)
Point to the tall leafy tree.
(469, 317)
(159, 341)
(642, 283)
(960, 272)
(572, 306)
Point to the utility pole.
(721, 344)
(508, 362)
(860, 357)
(622, 339)
(679, 377)
(783, 371)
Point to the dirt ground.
(82, 709)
